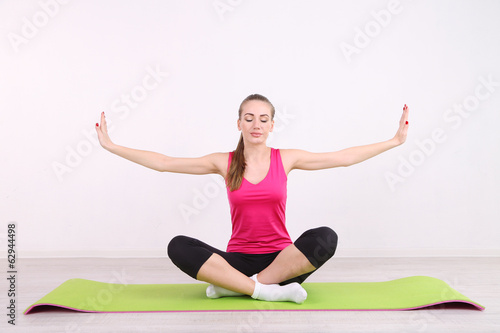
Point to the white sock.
(214, 291)
(292, 292)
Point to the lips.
(256, 134)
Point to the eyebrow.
(251, 114)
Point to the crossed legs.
(288, 264)
(228, 277)
(227, 281)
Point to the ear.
(239, 125)
(272, 126)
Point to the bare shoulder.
(289, 158)
(220, 161)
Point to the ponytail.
(237, 168)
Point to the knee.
(175, 246)
(318, 245)
(328, 239)
(331, 236)
(325, 244)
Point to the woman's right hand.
(213, 163)
(102, 133)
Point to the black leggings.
(189, 254)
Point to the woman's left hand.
(400, 136)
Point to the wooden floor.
(477, 278)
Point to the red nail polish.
(407, 122)
(97, 124)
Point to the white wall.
(62, 63)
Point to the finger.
(406, 123)
(402, 120)
(104, 125)
(97, 127)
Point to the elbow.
(164, 165)
(347, 162)
(349, 159)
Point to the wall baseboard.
(424, 252)
(341, 253)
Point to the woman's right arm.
(213, 163)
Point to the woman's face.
(255, 123)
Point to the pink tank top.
(258, 212)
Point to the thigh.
(189, 254)
(250, 264)
(318, 246)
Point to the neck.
(256, 152)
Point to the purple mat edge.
(478, 307)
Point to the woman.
(261, 260)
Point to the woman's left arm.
(304, 160)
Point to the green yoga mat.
(401, 294)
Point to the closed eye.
(262, 120)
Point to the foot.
(214, 291)
(292, 292)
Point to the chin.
(262, 139)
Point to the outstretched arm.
(304, 160)
(213, 163)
